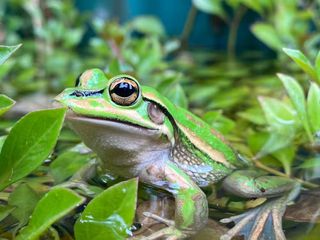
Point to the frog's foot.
(159, 219)
(168, 233)
(261, 223)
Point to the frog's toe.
(261, 223)
(169, 233)
(156, 217)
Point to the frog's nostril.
(86, 93)
(77, 94)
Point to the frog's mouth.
(120, 139)
(71, 116)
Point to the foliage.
(29, 142)
(51, 32)
(113, 221)
(5, 52)
(283, 23)
(55, 204)
(5, 103)
(295, 122)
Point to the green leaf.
(286, 156)
(6, 52)
(283, 124)
(114, 67)
(313, 163)
(53, 206)
(2, 140)
(267, 34)
(253, 4)
(60, 171)
(73, 37)
(278, 114)
(5, 211)
(109, 214)
(5, 103)
(219, 122)
(227, 99)
(148, 25)
(5, 69)
(210, 6)
(253, 115)
(24, 199)
(313, 107)
(29, 142)
(275, 142)
(302, 61)
(177, 95)
(297, 98)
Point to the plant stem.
(281, 174)
(309, 134)
(233, 32)
(33, 7)
(188, 26)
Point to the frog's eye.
(124, 91)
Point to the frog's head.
(99, 106)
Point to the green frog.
(137, 132)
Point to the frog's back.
(199, 150)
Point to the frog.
(137, 132)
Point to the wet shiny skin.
(145, 135)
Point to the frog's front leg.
(191, 207)
(265, 221)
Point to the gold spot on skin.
(194, 120)
(85, 77)
(219, 135)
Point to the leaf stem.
(281, 174)
(232, 39)
(188, 26)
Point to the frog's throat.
(122, 148)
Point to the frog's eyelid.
(86, 93)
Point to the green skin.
(165, 146)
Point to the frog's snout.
(57, 104)
(58, 101)
(59, 97)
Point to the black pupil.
(124, 89)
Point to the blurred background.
(62, 38)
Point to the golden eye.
(124, 91)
